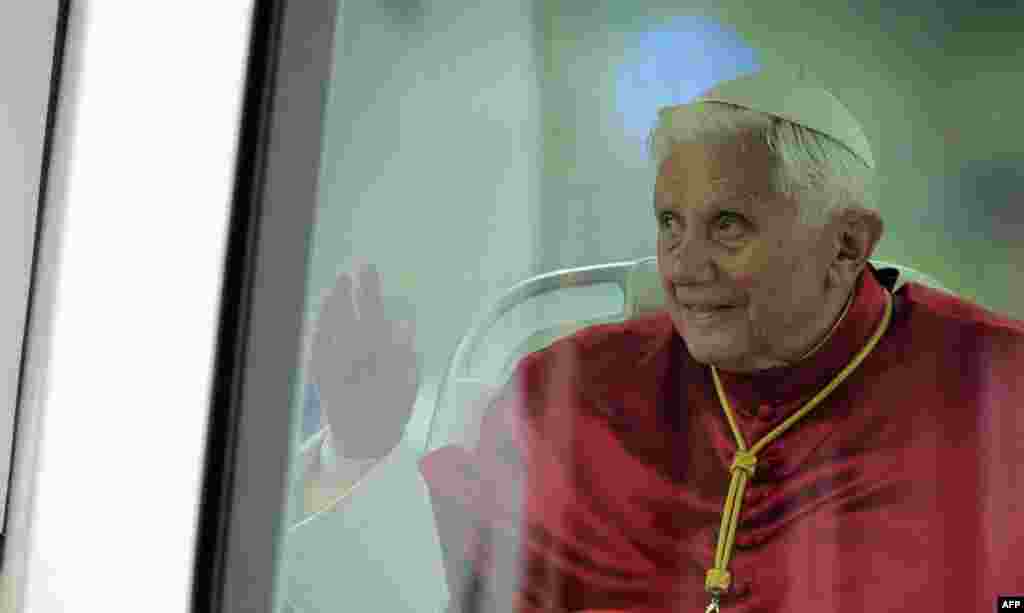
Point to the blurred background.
(469, 147)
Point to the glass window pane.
(489, 168)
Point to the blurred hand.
(365, 367)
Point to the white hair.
(819, 172)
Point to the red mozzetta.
(602, 467)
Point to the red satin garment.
(602, 468)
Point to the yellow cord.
(745, 461)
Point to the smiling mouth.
(708, 308)
(707, 312)
(702, 308)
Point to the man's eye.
(730, 226)
(667, 221)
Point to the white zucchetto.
(794, 99)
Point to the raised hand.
(365, 366)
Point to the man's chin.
(722, 356)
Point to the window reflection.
(470, 148)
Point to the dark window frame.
(245, 475)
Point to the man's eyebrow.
(744, 204)
(733, 201)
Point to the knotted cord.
(744, 463)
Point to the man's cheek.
(765, 320)
(745, 280)
(745, 267)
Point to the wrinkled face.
(745, 278)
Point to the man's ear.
(859, 231)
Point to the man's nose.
(689, 262)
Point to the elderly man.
(789, 434)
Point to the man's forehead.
(676, 191)
(743, 148)
(732, 170)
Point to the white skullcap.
(794, 99)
